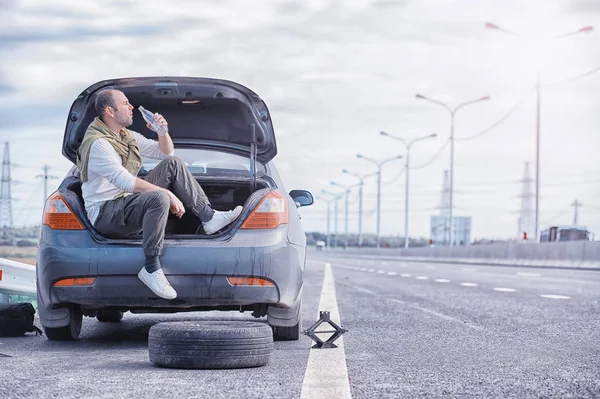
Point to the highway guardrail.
(17, 278)
(575, 254)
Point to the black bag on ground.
(16, 319)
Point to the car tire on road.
(288, 333)
(69, 332)
(109, 316)
(210, 344)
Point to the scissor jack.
(324, 317)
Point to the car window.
(210, 162)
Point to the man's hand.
(176, 207)
(164, 128)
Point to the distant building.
(440, 230)
(440, 224)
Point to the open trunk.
(208, 112)
(223, 194)
(221, 118)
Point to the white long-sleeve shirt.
(106, 175)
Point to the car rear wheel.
(288, 333)
(210, 344)
(109, 316)
(69, 332)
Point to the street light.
(347, 192)
(452, 114)
(407, 166)
(585, 29)
(360, 200)
(336, 197)
(328, 216)
(379, 165)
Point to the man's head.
(113, 108)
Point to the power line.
(551, 220)
(321, 212)
(490, 191)
(26, 209)
(583, 75)
(437, 154)
(571, 183)
(354, 200)
(387, 183)
(509, 113)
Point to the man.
(119, 204)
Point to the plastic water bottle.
(149, 118)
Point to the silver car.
(223, 132)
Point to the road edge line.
(326, 374)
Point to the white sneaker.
(220, 220)
(158, 283)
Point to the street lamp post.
(347, 192)
(452, 114)
(328, 219)
(407, 167)
(335, 237)
(379, 165)
(336, 197)
(360, 201)
(586, 29)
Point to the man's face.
(123, 113)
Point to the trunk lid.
(200, 111)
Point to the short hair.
(104, 99)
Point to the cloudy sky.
(335, 73)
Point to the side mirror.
(302, 197)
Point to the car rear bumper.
(198, 271)
(192, 291)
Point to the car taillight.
(270, 212)
(253, 281)
(59, 216)
(74, 282)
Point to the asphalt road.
(444, 330)
(415, 330)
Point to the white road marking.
(469, 284)
(371, 270)
(381, 271)
(422, 278)
(527, 274)
(329, 362)
(556, 296)
(365, 290)
(503, 289)
(392, 274)
(443, 316)
(468, 269)
(442, 280)
(432, 312)
(363, 269)
(405, 275)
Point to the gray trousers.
(147, 212)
